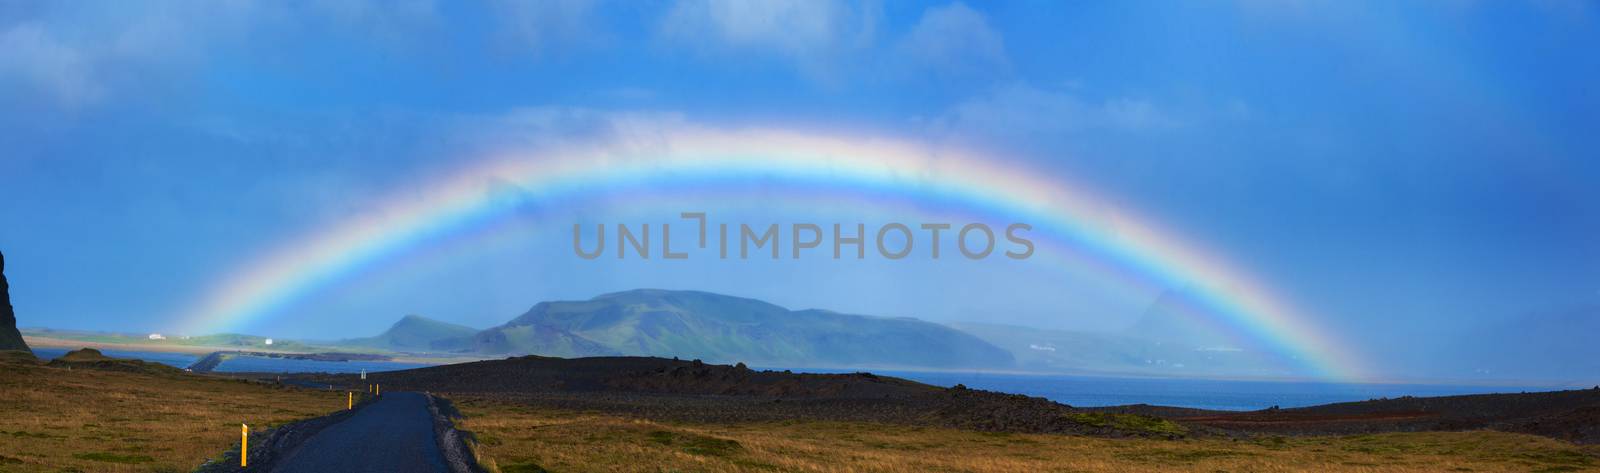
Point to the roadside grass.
(517, 438)
(60, 420)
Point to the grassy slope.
(519, 438)
(54, 419)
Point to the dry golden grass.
(519, 438)
(55, 420)
(95, 421)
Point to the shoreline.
(203, 350)
(52, 342)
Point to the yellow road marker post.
(349, 400)
(244, 445)
(377, 389)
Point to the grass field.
(518, 438)
(59, 420)
(56, 420)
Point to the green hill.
(692, 324)
(418, 333)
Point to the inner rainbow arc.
(1055, 206)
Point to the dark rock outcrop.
(695, 391)
(10, 338)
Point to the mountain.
(702, 325)
(418, 333)
(10, 338)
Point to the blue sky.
(1418, 172)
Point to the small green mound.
(89, 358)
(695, 444)
(113, 458)
(1130, 423)
(83, 355)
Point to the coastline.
(202, 350)
(52, 342)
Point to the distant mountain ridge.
(703, 325)
(1172, 337)
(418, 333)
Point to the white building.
(269, 341)
(157, 336)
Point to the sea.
(1215, 394)
(1075, 390)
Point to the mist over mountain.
(10, 338)
(1551, 344)
(1173, 319)
(1083, 351)
(1172, 337)
(714, 327)
(418, 333)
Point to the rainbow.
(1056, 207)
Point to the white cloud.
(1135, 114)
(81, 54)
(955, 38)
(808, 32)
(31, 56)
(822, 36)
(1580, 10)
(535, 127)
(544, 25)
(1021, 109)
(393, 23)
(627, 94)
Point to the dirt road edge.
(454, 444)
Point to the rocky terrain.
(1568, 415)
(696, 391)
